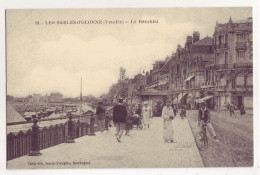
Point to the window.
(178, 69)
(226, 58)
(233, 83)
(241, 54)
(207, 75)
(220, 39)
(226, 41)
(241, 36)
(245, 79)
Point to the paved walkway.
(142, 149)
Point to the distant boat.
(30, 115)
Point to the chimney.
(196, 36)
(188, 41)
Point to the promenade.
(142, 149)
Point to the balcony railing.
(221, 46)
(242, 65)
(240, 86)
(249, 86)
(222, 87)
(208, 83)
(221, 66)
(241, 45)
(217, 66)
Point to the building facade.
(231, 73)
(157, 85)
(217, 69)
(187, 70)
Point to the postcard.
(129, 88)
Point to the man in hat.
(100, 111)
(119, 118)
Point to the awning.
(154, 85)
(190, 77)
(175, 101)
(163, 82)
(154, 92)
(181, 95)
(203, 99)
(191, 98)
(197, 94)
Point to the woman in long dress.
(146, 114)
(167, 115)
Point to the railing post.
(70, 131)
(92, 129)
(35, 149)
(106, 122)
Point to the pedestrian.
(232, 110)
(242, 110)
(136, 117)
(167, 115)
(119, 118)
(172, 105)
(183, 111)
(129, 121)
(175, 110)
(146, 115)
(228, 106)
(138, 110)
(204, 118)
(100, 111)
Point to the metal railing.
(33, 140)
(241, 45)
(217, 66)
(243, 65)
(222, 87)
(221, 46)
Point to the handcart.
(136, 121)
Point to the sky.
(47, 58)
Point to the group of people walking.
(231, 108)
(121, 118)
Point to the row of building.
(54, 97)
(217, 69)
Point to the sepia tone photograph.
(129, 88)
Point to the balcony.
(221, 87)
(239, 86)
(221, 66)
(209, 66)
(208, 84)
(249, 86)
(243, 65)
(221, 46)
(217, 66)
(241, 46)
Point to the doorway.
(239, 101)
